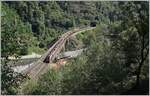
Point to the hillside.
(115, 61)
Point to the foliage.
(16, 35)
(82, 76)
(10, 80)
(116, 59)
(15, 41)
(135, 35)
(50, 19)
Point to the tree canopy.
(116, 59)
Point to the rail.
(52, 52)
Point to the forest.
(116, 59)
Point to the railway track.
(37, 68)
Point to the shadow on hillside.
(141, 89)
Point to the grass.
(35, 50)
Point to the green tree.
(16, 36)
(15, 40)
(136, 23)
(10, 80)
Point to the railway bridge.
(41, 65)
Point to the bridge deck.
(38, 67)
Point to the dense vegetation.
(116, 59)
